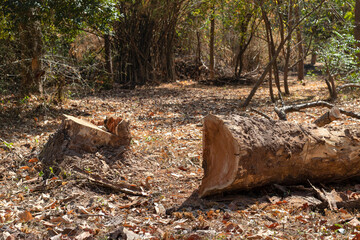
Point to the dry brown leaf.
(357, 237)
(33, 160)
(25, 216)
(58, 220)
(272, 226)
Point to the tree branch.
(281, 112)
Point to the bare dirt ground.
(165, 161)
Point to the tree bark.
(241, 153)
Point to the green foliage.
(339, 57)
(8, 145)
(51, 170)
(24, 100)
(335, 15)
(60, 23)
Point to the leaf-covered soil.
(165, 162)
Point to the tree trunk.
(313, 57)
(330, 82)
(31, 52)
(197, 72)
(144, 41)
(76, 135)
(108, 57)
(212, 42)
(271, 91)
(282, 37)
(271, 45)
(277, 52)
(288, 48)
(357, 25)
(244, 42)
(241, 153)
(301, 71)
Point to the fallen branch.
(281, 112)
(348, 85)
(261, 114)
(121, 187)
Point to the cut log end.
(221, 154)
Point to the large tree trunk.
(241, 153)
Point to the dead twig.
(326, 197)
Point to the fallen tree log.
(242, 152)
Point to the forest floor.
(165, 160)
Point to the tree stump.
(242, 152)
(76, 136)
